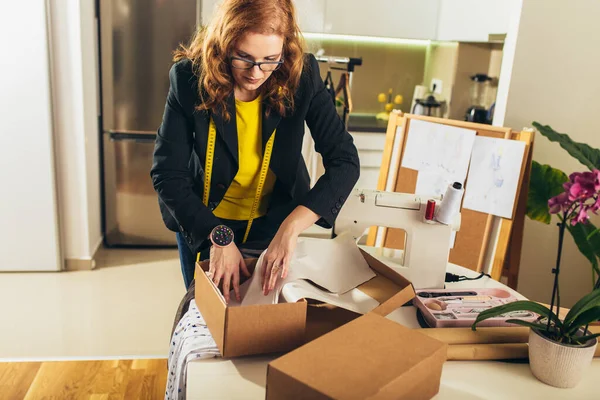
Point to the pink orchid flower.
(580, 197)
(582, 216)
(557, 203)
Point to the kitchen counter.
(366, 123)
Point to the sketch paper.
(336, 265)
(494, 176)
(440, 153)
(353, 300)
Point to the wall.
(29, 238)
(495, 60)
(550, 76)
(398, 66)
(76, 114)
(472, 58)
(91, 104)
(454, 63)
(441, 64)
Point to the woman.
(239, 97)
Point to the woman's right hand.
(226, 263)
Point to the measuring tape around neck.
(264, 169)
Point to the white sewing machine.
(427, 245)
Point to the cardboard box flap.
(213, 310)
(380, 289)
(384, 270)
(365, 358)
(389, 288)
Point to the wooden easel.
(483, 239)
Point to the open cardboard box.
(248, 330)
(273, 328)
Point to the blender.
(480, 90)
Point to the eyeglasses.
(265, 66)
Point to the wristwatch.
(221, 236)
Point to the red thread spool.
(430, 210)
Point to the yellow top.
(238, 200)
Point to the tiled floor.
(122, 309)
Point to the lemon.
(398, 99)
(381, 97)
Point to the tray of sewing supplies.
(443, 308)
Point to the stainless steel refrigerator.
(137, 40)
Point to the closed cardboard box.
(368, 358)
(274, 328)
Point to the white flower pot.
(557, 364)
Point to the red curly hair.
(210, 48)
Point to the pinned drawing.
(440, 153)
(494, 176)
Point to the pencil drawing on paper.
(496, 177)
(493, 175)
(440, 153)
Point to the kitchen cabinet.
(370, 147)
(474, 20)
(457, 20)
(405, 19)
(207, 11)
(311, 14)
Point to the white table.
(244, 378)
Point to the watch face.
(222, 235)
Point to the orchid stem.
(556, 271)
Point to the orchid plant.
(573, 200)
(581, 197)
(551, 191)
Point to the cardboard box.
(273, 328)
(368, 358)
(248, 330)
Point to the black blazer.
(180, 151)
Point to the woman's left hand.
(278, 257)
(281, 249)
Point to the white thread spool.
(450, 205)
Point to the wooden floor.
(95, 380)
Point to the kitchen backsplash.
(402, 66)
(396, 66)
